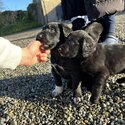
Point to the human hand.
(34, 53)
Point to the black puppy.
(98, 61)
(52, 36)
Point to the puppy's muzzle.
(63, 50)
(46, 46)
(60, 51)
(39, 37)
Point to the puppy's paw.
(94, 100)
(77, 100)
(57, 91)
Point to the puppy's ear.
(66, 29)
(94, 30)
(88, 46)
(86, 42)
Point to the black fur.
(98, 61)
(78, 24)
(52, 36)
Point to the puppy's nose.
(60, 50)
(39, 37)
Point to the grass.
(18, 27)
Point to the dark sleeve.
(72, 8)
(98, 8)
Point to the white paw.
(57, 91)
(77, 100)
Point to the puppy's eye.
(52, 30)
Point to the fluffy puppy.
(52, 36)
(98, 61)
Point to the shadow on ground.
(27, 87)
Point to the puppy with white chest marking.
(98, 61)
(52, 36)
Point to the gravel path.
(25, 95)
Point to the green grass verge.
(18, 27)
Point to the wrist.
(25, 57)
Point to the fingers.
(45, 51)
(38, 43)
(40, 52)
(38, 47)
(42, 57)
(34, 44)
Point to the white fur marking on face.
(57, 91)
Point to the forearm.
(10, 54)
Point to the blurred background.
(20, 15)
